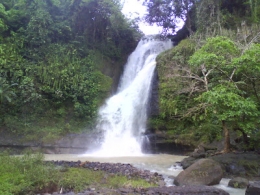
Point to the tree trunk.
(245, 138)
(227, 137)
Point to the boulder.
(202, 172)
(253, 188)
(239, 164)
(238, 182)
(186, 162)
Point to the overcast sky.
(133, 9)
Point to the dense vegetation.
(29, 174)
(210, 82)
(53, 54)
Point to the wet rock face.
(153, 105)
(202, 172)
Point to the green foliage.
(223, 100)
(25, 175)
(248, 67)
(170, 66)
(29, 174)
(166, 13)
(78, 179)
(251, 166)
(122, 181)
(208, 17)
(216, 52)
(6, 93)
(226, 104)
(213, 76)
(201, 89)
(254, 10)
(55, 52)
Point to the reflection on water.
(164, 164)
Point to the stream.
(164, 164)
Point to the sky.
(133, 9)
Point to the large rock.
(253, 189)
(202, 172)
(239, 164)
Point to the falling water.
(123, 117)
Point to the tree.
(222, 98)
(228, 106)
(103, 27)
(168, 13)
(56, 51)
(209, 17)
(248, 67)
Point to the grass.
(29, 174)
(79, 179)
(25, 175)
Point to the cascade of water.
(123, 117)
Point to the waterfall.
(122, 119)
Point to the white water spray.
(123, 117)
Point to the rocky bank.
(234, 164)
(130, 171)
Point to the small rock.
(150, 192)
(187, 162)
(161, 183)
(198, 155)
(238, 182)
(125, 190)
